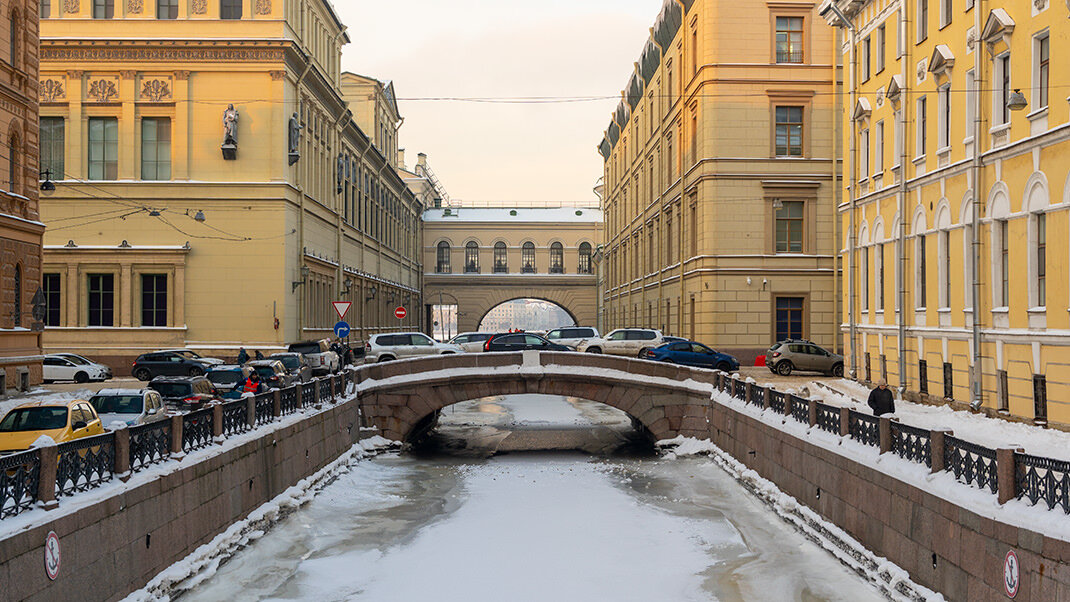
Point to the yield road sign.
(341, 330)
(400, 313)
(341, 307)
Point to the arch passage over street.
(666, 400)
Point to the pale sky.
(494, 49)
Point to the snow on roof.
(506, 214)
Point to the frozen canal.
(455, 524)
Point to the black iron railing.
(971, 463)
(196, 429)
(265, 408)
(864, 428)
(149, 443)
(912, 443)
(235, 417)
(757, 395)
(828, 418)
(20, 476)
(1043, 479)
(308, 393)
(776, 401)
(84, 463)
(288, 400)
(800, 409)
(740, 391)
(324, 389)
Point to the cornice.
(205, 51)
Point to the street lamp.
(1017, 101)
(304, 278)
(47, 185)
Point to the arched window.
(15, 150)
(442, 266)
(527, 258)
(557, 258)
(585, 258)
(501, 261)
(471, 257)
(18, 296)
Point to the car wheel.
(195, 371)
(81, 378)
(642, 352)
(385, 358)
(448, 353)
(142, 374)
(594, 350)
(784, 368)
(837, 370)
(724, 367)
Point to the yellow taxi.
(60, 420)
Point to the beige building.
(720, 178)
(20, 225)
(479, 258)
(375, 111)
(213, 186)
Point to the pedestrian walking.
(243, 356)
(259, 355)
(881, 400)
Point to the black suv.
(521, 341)
(167, 363)
(185, 392)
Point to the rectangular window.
(789, 227)
(922, 121)
(923, 20)
(789, 131)
(103, 9)
(50, 285)
(945, 251)
(154, 299)
(897, 137)
(946, 6)
(1042, 259)
(880, 277)
(789, 318)
(922, 273)
(166, 9)
(1002, 89)
(878, 149)
(789, 36)
(103, 148)
(1004, 265)
(1042, 72)
(864, 268)
(46, 9)
(230, 9)
(101, 299)
(155, 148)
(900, 27)
(971, 100)
(880, 50)
(52, 145)
(694, 230)
(866, 58)
(944, 98)
(863, 156)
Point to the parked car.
(129, 407)
(521, 341)
(572, 335)
(631, 342)
(167, 363)
(296, 364)
(402, 345)
(185, 393)
(800, 354)
(193, 355)
(82, 360)
(57, 367)
(471, 341)
(60, 420)
(319, 355)
(273, 373)
(689, 353)
(229, 379)
(672, 339)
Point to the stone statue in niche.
(230, 133)
(341, 172)
(295, 138)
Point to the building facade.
(20, 225)
(957, 200)
(213, 188)
(720, 178)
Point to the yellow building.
(720, 178)
(957, 200)
(213, 187)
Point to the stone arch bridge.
(401, 398)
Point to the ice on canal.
(562, 526)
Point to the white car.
(402, 345)
(471, 342)
(319, 355)
(130, 407)
(630, 342)
(193, 355)
(80, 370)
(572, 335)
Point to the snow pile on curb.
(892, 580)
(206, 560)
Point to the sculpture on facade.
(341, 172)
(230, 133)
(295, 138)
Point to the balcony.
(789, 56)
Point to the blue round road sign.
(341, 330)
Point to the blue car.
(689, 353)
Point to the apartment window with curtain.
(789, 131)
(922, 273)
(471, 257)
(878, 148)
(585, 258)
(103, 148)
(1042, 70)
(155, 148)
(154, 300)
(442, 263)
(166, 9)
(1004, 265)
(557, 258)
(1041, 258)
(527, 258)
(880, 49)
(230, 9)
(501, 262)
(944, 99)
(101, 299)
(50, 286)
(789, 227)
(880, 276)
(922, 125)
(789, 39)
(52, 145)
(103, 9)
(789, 317)
(923, 20)
(1001, 79)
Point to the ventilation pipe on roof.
(401, 158)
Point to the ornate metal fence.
(84, 463)
(1043, 479)
(912, 443)
(235, 417)
(776, 401)
(149, 443)
(324, 385)
(20, 476)
(757, 395)
(308, 392)
(828, 418)
(800, 409)
(196, 429)
(288, 400)
(971, 463)
(265, 408)
(864, 428)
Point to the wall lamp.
(371, 294)
(47, 185)
(304, 278)
(199, 216)
(346, 285)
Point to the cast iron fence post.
(885, 429)
(813, 412)
(46, 482)
(176, 437)
(121, 466)
(937, 449)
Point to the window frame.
(791, 313)
(103, 9)
(109, 163)
(158, 315)
(501, 258)
(52, 288)
(156, 165)
(101, 293)
(790, 55)
(789, 220)
(167, 9)
(471, 257)
(442, 257)
(557, 258)
(527, 258)
(789, 124)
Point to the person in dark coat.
(259, 355)
(881, 400)
(243, 356)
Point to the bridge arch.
(664, 400)
(537, 297)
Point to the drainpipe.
(901, 267)
(301, 193)
(837, 196)
(978, 131)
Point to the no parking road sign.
(400, 313)
(341, 330)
